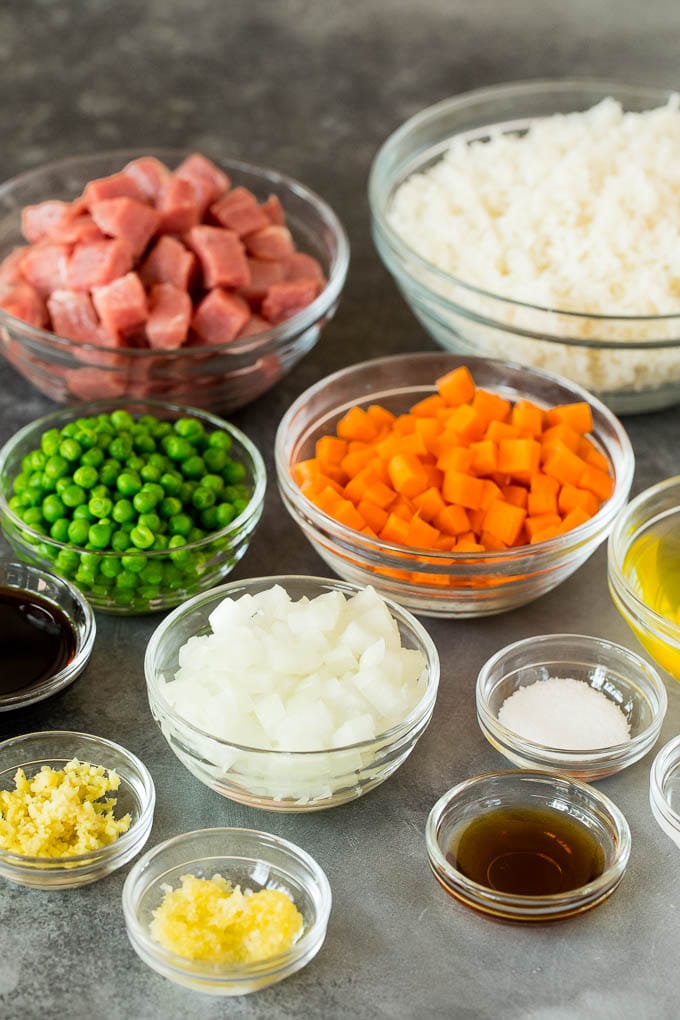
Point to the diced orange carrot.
(542, 495)
(498, 430)
(456, 387)
(564, 465)
(380, 494)
(467, 423)
(592, 455)
(574, 519)
(394, 531)
(550, 532)
(357, 486)
(429, 503)
(428, 407)
(477, 520)
(357, 424)
(491, 492)
(519, 456)
(535, 525)
(528, 418)
(455, 458)
(453, 520)
(597, 482)
(463, 489)
(561, 433)
(571, 497)
(330, 450)
(403, 508)
(306, 469)
(405, 424)
(504, 520)
(491, 543)
(380, 416)
(515, 494)
(374, 516)
(421, 535)
(353, 463)
(407, 474)
(429, 430)
(490, 406)
(577, 416)
(468, 545)
(484, 457)
(345, 512)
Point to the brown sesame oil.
(36, 640)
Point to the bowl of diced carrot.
(458, 486)
(164, 274)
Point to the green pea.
(149, 473)
(145, 501)
(86, 476)
(146, 421)
(126, 580)
(215, 458)
(121, 420)
(99, 492)
(168, 507)
(233, 472)
(104, 424)
(70, 450)
(161, 429)
(120, 541)
(20, 482)
(94, 457)
(123, 511)
(128, 483)
(144, 443)
(219, 441)
(32, 515)
(67, 560)
(89, 561)
(193, 467)
(85, 578)
(100, 506)
(78, 531)
(56, 466)
(49, 441)
(109, 471)
(149, 592)
(59, 530)
(213, 482)
(177, 448)
(203, 498)
(135, 463)
(121, 447)
(209, 519)
(31, 497)
(239, 505)
(152, 573)
(195, 535)
(179, 553)
(159, 461)
(63, 483)
(103, 439)
(73, 495)
(52, 508)
(47, 484)
(134, 562)
(142, 537)
(171, 482)
(82, 513)
(186, 492)
(151, 521)
(160, 542)
(15, 503)
(180, 524)
(110, 566)
(226, 513)
(189, 428)
(172, 577)
(99, 535)
(36, 460)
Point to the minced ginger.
(210, 920)
(60, 812)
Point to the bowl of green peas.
(140, 504)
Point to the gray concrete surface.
(312, 88)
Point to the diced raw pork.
(168, 262)
(220, 317)
(38, 221)
(45, 266)
(222, 257)
(120, 185)
(271, 243)
(24, 302)
(73, 316)
(76, 229)
(255, 324)
(178, 206)
(238, 211)
(96, 263)
(286, 299)
(273, 210)
(10, 267)
(262, 276)
(95, 383)
(169, 316)
(128, 219)
(122, 304)
(207, 180)
(300, 266)
(149, 174)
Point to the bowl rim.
(666, 761)
(309, 941)
(420, 711)
(92, 407)
(618, 545)
(70, 672)
(514, 89)
(258, 343)
(127, 840)
(436, 559)
(570, 757)
(561, 782)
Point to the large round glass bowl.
(282, 780)
(516, 791)
(644, 570)
(176, 576)
(135, 796)
(624, 678)
(253, 860)
(632, 364)
(20, 578)
(442, 583)
(217, 377)
(664, 789)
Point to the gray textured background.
(312, 88)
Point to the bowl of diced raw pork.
(167, 274)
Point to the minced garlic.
(60, 812)
(210, 920)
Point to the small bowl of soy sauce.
(47, 632)
(528, 845)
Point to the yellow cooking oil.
(652, 569)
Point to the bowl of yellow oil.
(644, 571)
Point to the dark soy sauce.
(36, 640)
(527, 851)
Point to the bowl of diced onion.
(513, 223)
(291, 693)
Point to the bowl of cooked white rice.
(539, 221)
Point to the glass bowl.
(22, 577)
(135, 795)
(631, 363)
(254, 860)
(634, 572)
(219, 377)
(282, 780)
(626, 679)
(476, 797)
(201, 564)
(442, 583)
(664, 789)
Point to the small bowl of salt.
(570, 702)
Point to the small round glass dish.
(168, 575)
(564, 800)
(220, 377)
(664, 789)
(644, 571)
(68, 601)
(627, 680)
(279, 780)
(631, 362)
(433, 583)
(135, 796)
(245, 857)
